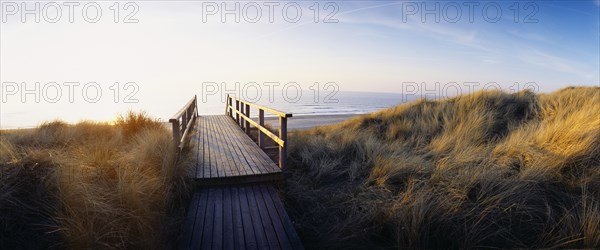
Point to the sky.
(163, 52)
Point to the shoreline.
(302, 122)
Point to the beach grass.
(489, 169)
(89, 185)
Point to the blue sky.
(375, 46)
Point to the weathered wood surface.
(224, 154)
(234, 207)
(238, 217)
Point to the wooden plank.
(236, 154)
(188, 225)
(287, 223)
(229, 156)
(214, 153)
(200, 149)
(249, 235)
(218, 163)
(259, 232)
(267, 224)
(218, 224)
(202, 155)
(235, 167)
(253, 151)
(238, 227)
(249, 165)
(209, 221)
(205, 151)
(264, 165)
(227, 165)
(228, 228)
(200, 219)
(238, 217)
(209, 156)
(235, 180)
(284, 241)
(249, 149)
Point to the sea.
(29, 113)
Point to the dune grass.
(483, 170)
(88, 185)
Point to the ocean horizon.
(29, 115)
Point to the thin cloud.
(530, 36)
(553, 62)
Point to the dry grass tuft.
(485, 170)
(88, 185)
(132, 122)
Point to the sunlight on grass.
(485, 170)
(88, 185)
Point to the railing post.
(283, 137)
(184, 120)
(247, 113)
(196, 105)
(176, 133)
(227, 105)
(237, 115)
(261, 122)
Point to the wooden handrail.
(241, 109)
(182, 122)
(179, 113)
(270, 110)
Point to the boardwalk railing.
(182, 122)
(241, 114)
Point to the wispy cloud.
(553, 62)
(530, 36)
(438, 31)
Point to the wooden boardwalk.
(224, 154)
(238, 217)
(235, 205)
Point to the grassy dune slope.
(484, 170)
(89, 185)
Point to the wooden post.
(283, 137)
(196, 105)
(184, 120)
(176, 133)
(261, 122)
(237, 115)
(231, 106)
(247, 113)
(227, 105)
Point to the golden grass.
(88, 185)
(484, 170)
